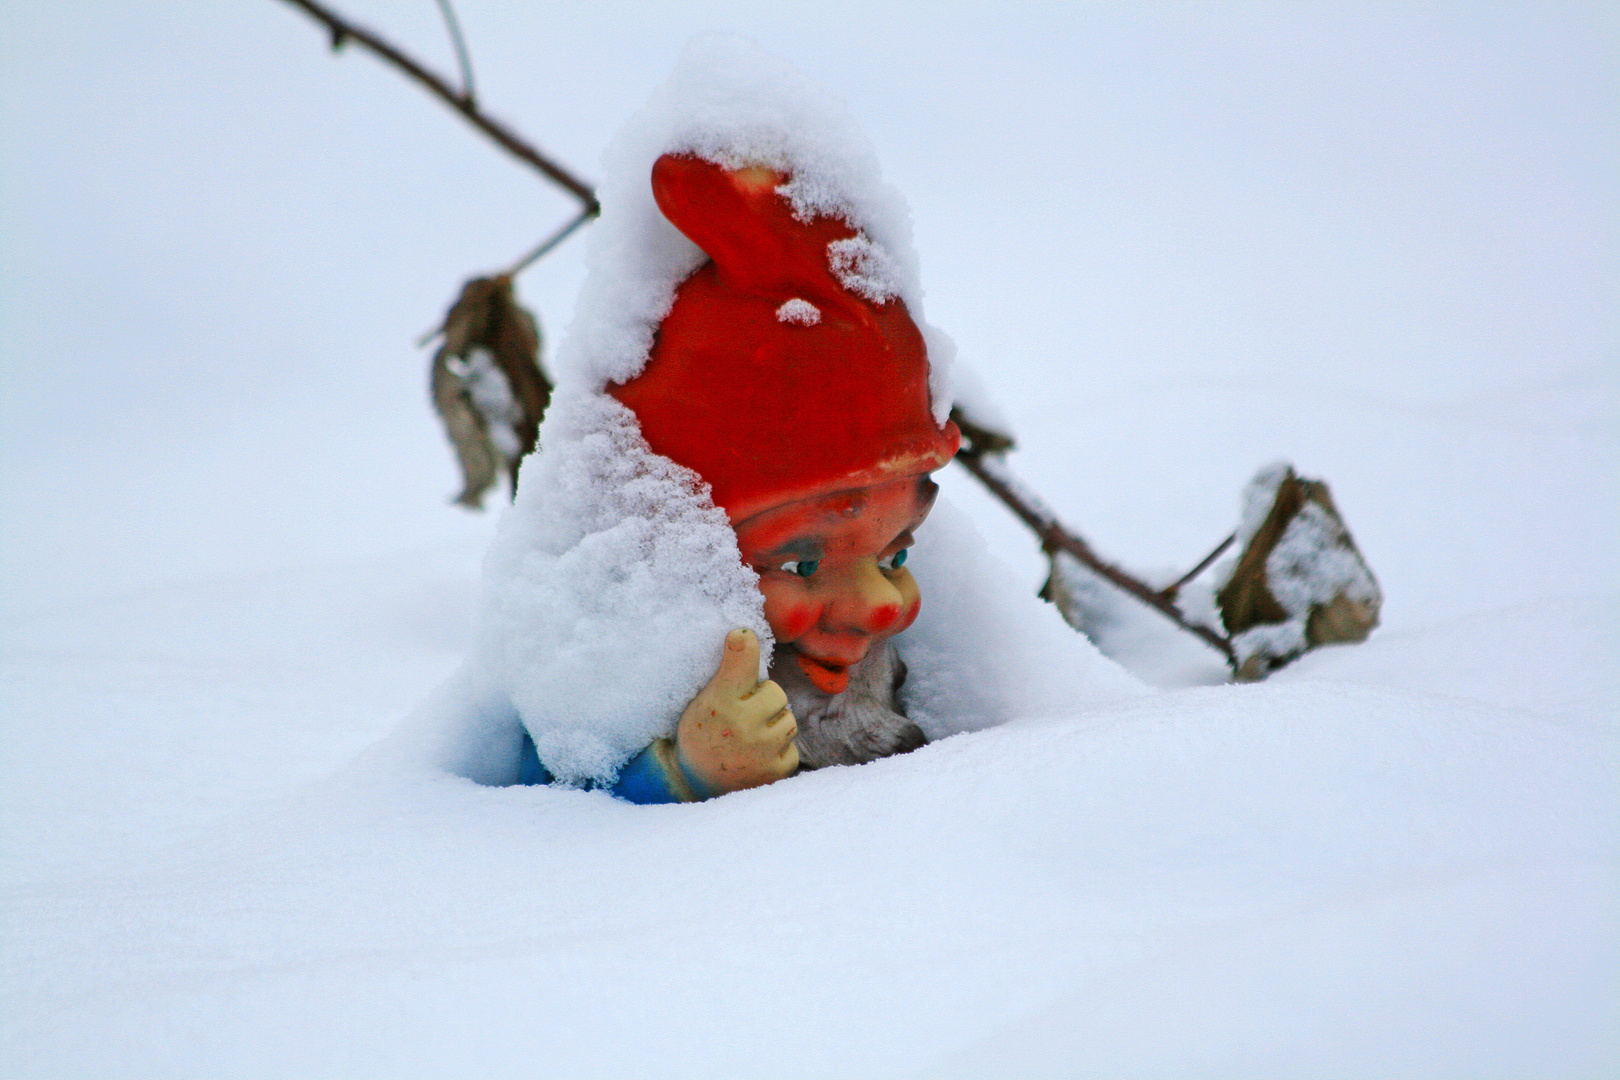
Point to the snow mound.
(985, 649)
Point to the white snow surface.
(1174, 242)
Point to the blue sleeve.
(642, 780)
(530, 771)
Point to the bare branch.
(1054, 537)
(342, 30)
(1169, 591)
(462, 58)
(549, 242)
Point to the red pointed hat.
(769, 377)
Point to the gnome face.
(832, 569)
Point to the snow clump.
(863, 268)
(799, 312)
(608, 589)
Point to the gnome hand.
(738, 732)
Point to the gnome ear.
(738, 219)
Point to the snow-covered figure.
(703, 583)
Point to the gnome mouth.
(828, 677)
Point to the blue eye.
(895, 561)
(802, 567)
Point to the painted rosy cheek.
(790, 620)
(883, 617)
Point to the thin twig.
(549, 242)
(454, 26)
(1055, 537)
(1169, 591)
(524, 263)
(342, 30)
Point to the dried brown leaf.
(480, 461)
(488, 386)
(1300, 582)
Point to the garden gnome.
(794, 382)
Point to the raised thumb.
(739, 663)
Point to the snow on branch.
(1298, 581)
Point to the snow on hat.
(787, 366)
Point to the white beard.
(862, 723)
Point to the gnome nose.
(869, 603)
